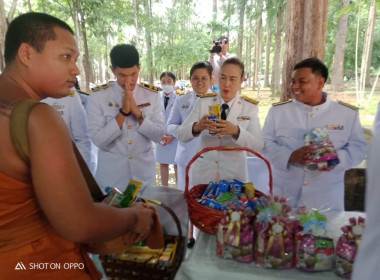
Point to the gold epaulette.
(103, 86)
(348, 105)
(179, 92)
(282, 102)
(82, 92)
(251, 100)
(207, 95)
(149, 87)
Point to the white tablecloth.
(202, 262)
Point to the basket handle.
(170, 211)
(227, 148)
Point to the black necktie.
(223, 115)
(166, 101)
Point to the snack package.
(314, 250)
(347, 246)
(235, 235)
(325, 157)
(274, 234)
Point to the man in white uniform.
(123, 119)
(284, 130)
(367, 263)
(72, 111)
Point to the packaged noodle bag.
(274, 235)
(325, 157)
(235, 235)
(314, 250)
(347, 246)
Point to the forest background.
(270, 36)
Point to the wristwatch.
(142, 116)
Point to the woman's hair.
(201, 65)
(234, 61)
(170, 74)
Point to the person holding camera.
(220, 48)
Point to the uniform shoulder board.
(251, 100)
(103, 86)
(282, 102)
(207, 95)
(179, 92)
(82, 92)
(348, 105)
(149, 87)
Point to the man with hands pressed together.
(239, 125)
(124, 118)
(284, 136)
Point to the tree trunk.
(86, 56)
(214, 18)
(229, 18)
(258, 43)
(148, 39)
(368, 45)
(78, 38)
(276, 70)
(305, 35)
(136, 23)
(340, 49)
(267, 55)
(241, 28)
(249, 54)
(4, 22)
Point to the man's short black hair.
(170, 74)
(201, 65)
(317, 66)
(223, 38)
(31, 28)
(124, 56)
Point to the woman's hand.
(224, 127)
(204, 123)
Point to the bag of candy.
(235, 235)
(347, 246)
(274, 234)
(314, 250)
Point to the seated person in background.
(46, 206)
(124, 119)
(284, 130)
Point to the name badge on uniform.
(243, 118)
(335, 127)
(185, 106)
(143, 105)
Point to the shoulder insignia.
(72, 92)
(251, 100)
(149, 87)
(348, 105)
(103, 86)
(82, 92)
(207, 95)
(179, 92)
(282, 102)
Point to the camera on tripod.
(216, 48)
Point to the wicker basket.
(117, 269)
(203, 217)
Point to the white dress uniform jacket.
(230, 165)
(166, 154)
(376, 124)
(71, 110)
(126, 153)
(283, 133)
(182, 108)
(367, 262)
